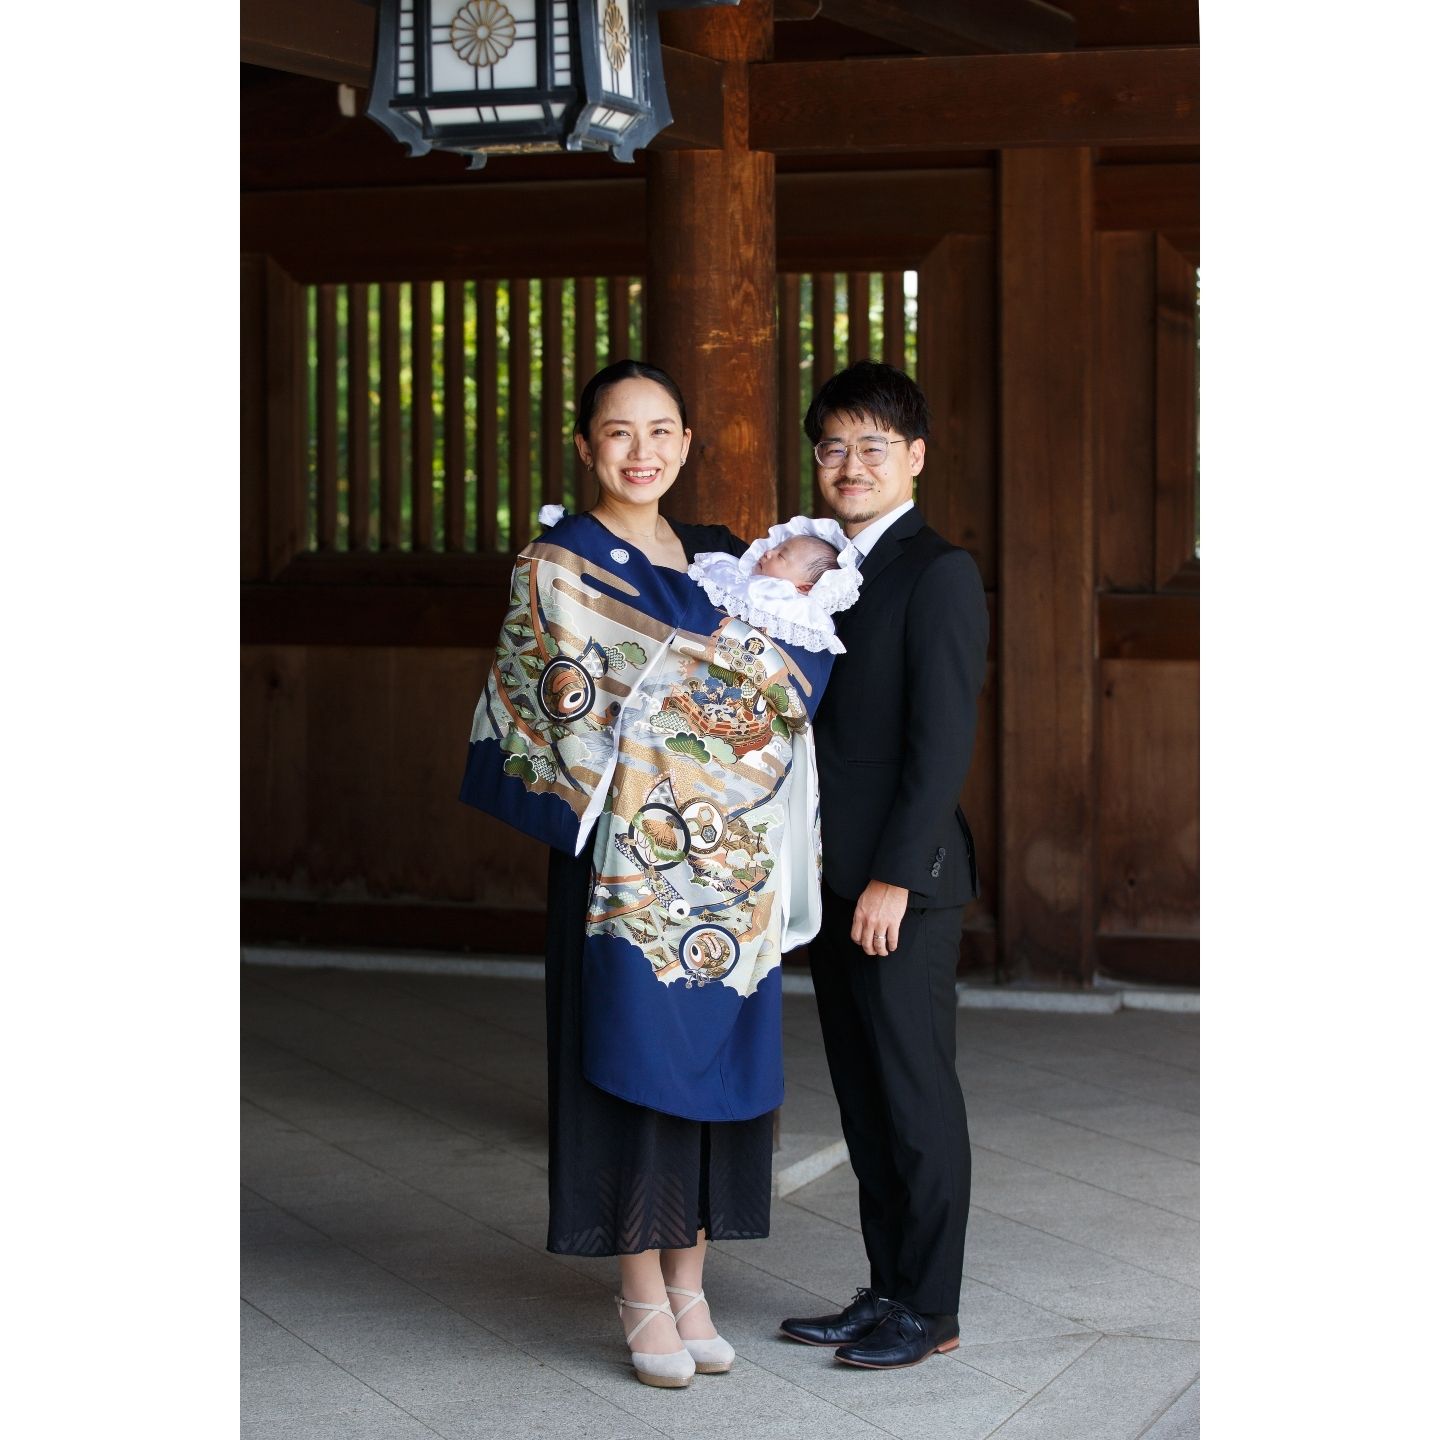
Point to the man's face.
(858, 493)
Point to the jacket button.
(935, 872)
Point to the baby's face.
(793, 560)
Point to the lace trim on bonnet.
(774, 605)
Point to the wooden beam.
(327, 39)
(958, 27)
(488, 228)
(487, 411)
(396, 598)
(987, 102)
(426, 925)
(390, 419)
(401, 614)
(894, 307)
(695, 86)
(787, 480)
(857, 316)
(453, 361)
(357, 420)
(335, 40)
(518, 362)
(422, 417)
(583, 368)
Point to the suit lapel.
(889, 546)
(887, 549)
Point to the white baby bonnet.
(776, 606)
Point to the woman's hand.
(878, 913)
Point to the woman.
(648, 738)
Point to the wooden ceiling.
(841, 29)
(1088, 84)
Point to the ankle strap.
(696, 1296)
(620, 1306)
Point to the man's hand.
(878, 913)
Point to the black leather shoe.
(854, 1322)
(903, 1337)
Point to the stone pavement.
(396, 1285)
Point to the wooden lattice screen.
(455, 444)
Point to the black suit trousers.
(889, 1028)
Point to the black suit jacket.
(896, 728)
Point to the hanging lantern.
(492, 77)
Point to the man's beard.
(857, 507)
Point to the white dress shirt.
(866, 540)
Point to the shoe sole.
(942, 1349)
(711, 1369)
(664, 1382)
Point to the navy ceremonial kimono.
(621, 700)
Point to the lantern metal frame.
(577, 113)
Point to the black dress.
(624, 1179)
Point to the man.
(894, 735)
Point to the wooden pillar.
(272, 417)
(710, 285)
(1046, 566)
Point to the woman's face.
(636, 444)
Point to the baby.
(789, 583)
(802, 560)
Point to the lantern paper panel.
(475, 75)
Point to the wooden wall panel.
(956, 367)
(980, 801)
(252, 417)
(1125, 410)
(1176, 462)
(1149, 821)
(353, 749)
(272, 417)
(352, 763)
(273, 721)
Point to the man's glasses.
(872, 450)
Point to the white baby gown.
(774, 605)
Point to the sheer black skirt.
(624, 1179)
